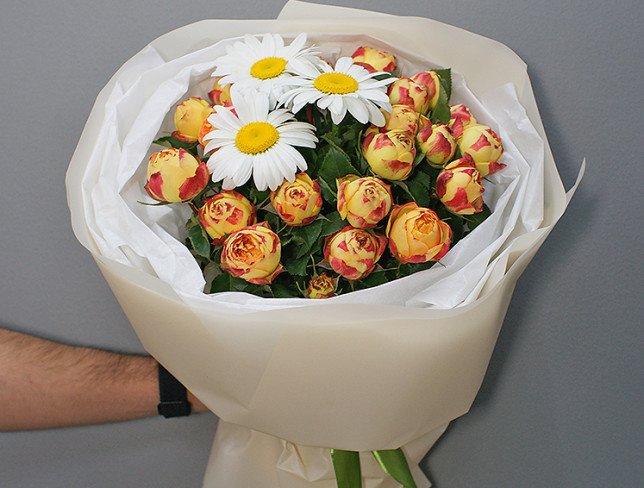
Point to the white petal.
(357, 108)
(376, 117)
(343, 64)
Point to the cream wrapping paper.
(387, 367)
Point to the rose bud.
(460, 119)
(436, 142)
(188, 118)
(484, 146)
(374, 60)
(321, 286)
(175, 175)
(225, 213)
(432, 83)
(353, 253)
(220, 95)
(363, 202)
(459, 187)
(298, 202)
(402, 117)
(389, 154)
(405, 91)
(252, 254)
(417, 235)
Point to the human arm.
(44, 384)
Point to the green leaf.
(307, 235)
(199, 240)
(346, 465)
(296, 266)
(220, 283)
(328, 194)
(419, 188)
(333, 224)
(169, 141)
(376, 278)
(473, 221)
(446, 80)
(394, 463)
(441, 113)
(336, 164)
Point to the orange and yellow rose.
(189, 117)
(417, 235)
(432, 83)
(298, 202)
(484, 146)
(252, 254)
(459, 187)
(460, 119)
(363, 202)
(225, 213)
(402, 117)
(175, 175)
(220, 95)
(405, 91)
(390, 154)
(353, 253)
(374, 60)
(436, 142)
(321, 286)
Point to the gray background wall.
(561, 404)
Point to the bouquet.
(356, 388)
(308, 179)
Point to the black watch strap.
(173, 397)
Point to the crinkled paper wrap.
(289, 378)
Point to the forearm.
(45, 384)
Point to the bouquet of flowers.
(340, 165)
(302, 174)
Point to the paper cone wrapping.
(289, 378)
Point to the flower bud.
(436, 142)
(225, 213)
(252, 254)
(321, 286)
(374, 60)
(206, 128)
(220, 95)
(298, 202)
(484, 146)
(417, 235)
(363, 202)
(459, 187)
(461, 118)
(389, 154)
(188, 118)
(432, 83)
(402, 117)
(353, 253)
(405, 91)
(175, 175)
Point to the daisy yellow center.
(336, 83)
(268, 68)
(256, 137)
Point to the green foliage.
(198, 238)
(169, 141)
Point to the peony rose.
(220, 95)
(389, 154)
(459, 187)
(363, 202)
(253, 254)
(353, 253)
(402, 117)
(298, 202)
(432, 83)
(225, 213)
(417, 235)
(188, 118)
(405, 91)
(374, 60)
(460, 119)
(175, 175)
(484, 146)
(321, 286)
(436, 142)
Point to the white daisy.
(252, 139)
(348, 87)
(264, 65)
